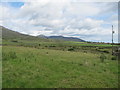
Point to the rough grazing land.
(29, 67)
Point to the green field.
(31, 67)
(32, 62)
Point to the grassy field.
(32, 62)
(58, 66)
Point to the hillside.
(66, 38)
(10, 34)
(62, 38)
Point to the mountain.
(10, 34)
(42, 36)
(62, 38)
(66, 38)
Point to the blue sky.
(16, 4)
(90, 21)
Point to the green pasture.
(30, 67)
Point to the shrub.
(46, 46)
(102, 57)
(14, 41)
(52, 46)
(9, 55)
(71, 49)
(12, 55)
(4, 56)
(105, 51)
(114, 58)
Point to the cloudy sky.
(90, 21)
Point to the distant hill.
(42, 36)
(62, 38)
(10, 34)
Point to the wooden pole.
(112, 39)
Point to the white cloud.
(42, 32)
(60, 0)
(86, 23)
(65, 17)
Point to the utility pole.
(112, 39)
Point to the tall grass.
(43, 68)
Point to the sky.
(90, 21)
